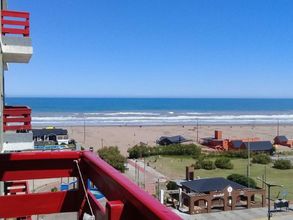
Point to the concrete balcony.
(16, 44)
(14, 142)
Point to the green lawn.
(174, 168)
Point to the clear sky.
(156, 48)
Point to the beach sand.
(127, 136)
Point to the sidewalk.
(145, 176)
(245, 214)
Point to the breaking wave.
(157, 118)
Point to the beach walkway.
(145, 176)
(245, 214)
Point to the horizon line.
(146, 97)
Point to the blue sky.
(157, 48)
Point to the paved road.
(245, 214)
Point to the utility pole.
(248, 162)
(84, 134)
(278, 128)
(197, 140)
(269, 186)
(144, 172)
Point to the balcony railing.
(17, 118)
(15, 23)
(125, 200)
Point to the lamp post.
(269, 185)
(248, 163)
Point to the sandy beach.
(127, 136)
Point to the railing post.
(114, 210)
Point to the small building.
(258, 146)
(50, 135)
(283, 140)
(216, 142)
(171, 140)
(235, 144)
(207, 194)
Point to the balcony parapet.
(125, 200)
(15, 23)
(17, 118)
(16, 44)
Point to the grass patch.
(174, 168)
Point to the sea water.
(155, 111)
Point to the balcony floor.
(59, 216)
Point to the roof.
(173, 139)
(211, 184)
(44, 131)
(281, 138)
(259, 145)
(236, 143)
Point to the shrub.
(236, 154)
(54, 189)
(113, 157)
(171, 185)
(138, 151)
(174, 149)
(224, 163)
(197, 165)
(243, 180)
(207, 165)
(261, 158)
(282, 164)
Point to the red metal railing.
(125, 200)
(16, 23)
(17, 188)
(17, 118)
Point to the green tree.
(171, 185)
(113, 157)
(243, 180)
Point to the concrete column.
(162, 196)
(191, 206)
(248, 201)
(1, 102)
(263, 200)
(225, 201)
(209, 206)
(4, 4)
(180, 198)
(1, 95)
(233, 204)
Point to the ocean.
(155, 111)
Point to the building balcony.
(16, 142)
(17, 118)
(16, 42)
(124, 199)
